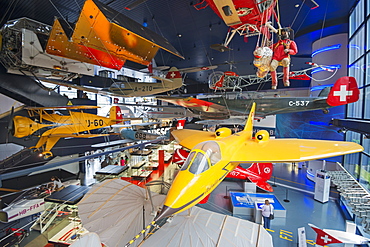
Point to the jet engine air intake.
(262, 136)
(223, 132)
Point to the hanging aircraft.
(344, 91)
(257, 173)
(134, 133)
(215, 154)
(328, 236)
(101, 36)
(74, 125)
(172, 81)
(246, 18)
(229, 80)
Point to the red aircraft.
(245, 17)
(257, 173)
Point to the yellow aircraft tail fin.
(248, 128)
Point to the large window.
(356, 45)
(356, 17)
(354, 110)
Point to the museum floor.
(291, 187)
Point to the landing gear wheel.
(47, 155)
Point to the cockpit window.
(212, 150)
(187, 161)
(200, 164)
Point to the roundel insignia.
(267, 170)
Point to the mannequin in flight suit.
(281, 56)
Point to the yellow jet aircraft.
(62, 126)
(215, 154)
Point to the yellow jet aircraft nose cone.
(165, 212)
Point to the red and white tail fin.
(115, 113)
(180, 124)
(257, 173)
(323, 238)
(263, 170)
(174, 75)
(344, 91)
(179, 156)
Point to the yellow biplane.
(77, 124)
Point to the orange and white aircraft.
(61, 126)
(215, 154)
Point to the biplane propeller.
(74, 125)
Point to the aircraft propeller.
(10, 125)
(135, 4)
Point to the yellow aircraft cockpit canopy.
(203, 156)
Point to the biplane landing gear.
(33, 149)
(46, 155)
(220, 47)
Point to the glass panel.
(351, 161)
(212, 150)
(199, 165)
(356, 17)
(365, 165)
(187, 161)
(356, 45)
(367, 89)
(368, 32)
(354, 110)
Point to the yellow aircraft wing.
(63, 107)
(272, 150)
(293, 150)
(189, 138)
(79, 135)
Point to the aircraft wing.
(293, 150)
(273, 150)
(188, 138)
(63, 107)
(79, 135)
(202, 106)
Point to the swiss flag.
(343, 92)
(324, 238)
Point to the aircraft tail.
(263, 170)
(115, 113)
(248, 128)
(180, 123)
(174, 75)
(257, 173)
(323, 238)
(344, 91)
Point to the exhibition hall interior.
(184, 123)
